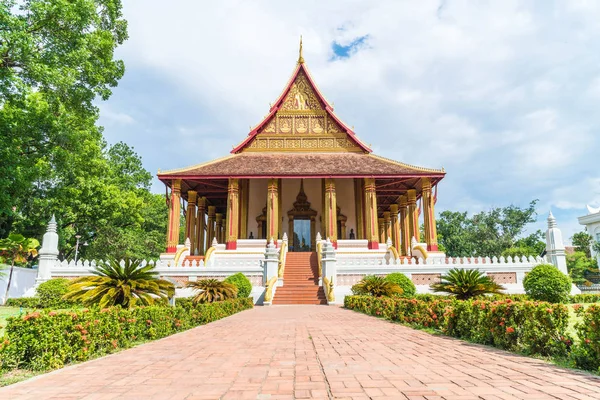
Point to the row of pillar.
(400, 223)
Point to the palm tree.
(17, 248)
(127, 285)
(376, 286)
(466, 283)
(211, 290)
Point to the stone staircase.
(300, 281)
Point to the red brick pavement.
(308, 352)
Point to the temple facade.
(299, 172)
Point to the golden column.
(244, 198)
(219, 227)
(395, 226)
(211, 232)
(360, 208)
(190, 220)
(387, 221)
(330, 211)
(273, 210)
(429, 216)
(371, 231)
(233, 210)
(200, 226)
(404, 226)
(413, 216)
(381, 224)
(174, 216)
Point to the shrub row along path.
(301, 352)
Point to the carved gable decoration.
(301, 96)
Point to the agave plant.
(211, 290)
(376, 286)
(466, 283)
(127, 285)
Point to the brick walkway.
(300, 352)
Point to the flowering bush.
(586, 354)
(585, 298)
(48, 340)
(524, 326)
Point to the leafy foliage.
(582, 241)
(47, 340)
(466, 283)
(398, 278)
(243, 284)
(488, 233)
(50, 294)
(579, 265)
(377, 286)
(16, 249)
(586, 354)
(211, 290)
(127, 286)
(546, 283)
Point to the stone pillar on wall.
(429, 216)
(48, 255)
(233, 217)
(219, 227)
(555, 248)
(330, 211)
(371, 227)
(387, 222)
(200, 226)
(273, 210)
(190, 220)
(395, 226)
(404, 227)
(174, 216)
(413, 215)
(211, 232)
(359, 207)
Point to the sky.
(502, 94)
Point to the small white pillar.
(48, 254)
(555, 248)
(328, 265)
(271, 261)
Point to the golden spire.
(300, 58)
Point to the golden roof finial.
(300, 57)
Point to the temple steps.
(300, 281)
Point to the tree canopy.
(490, 233)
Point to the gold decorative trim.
(319, 256)
(282, 254)
(269, 291)
(179, 253)
(406, 165)
(209, 253)
(328, 287)
(394, 252)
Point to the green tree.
(488, 233)
(582, 241)
(579, 265)
(128, 285)
(56, 58)
(16, 248)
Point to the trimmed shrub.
(546, 283)
(408, 287)
(242, 283)
(25, 302)
(43, 340)
(50, 293)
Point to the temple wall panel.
(346, 202)
(257, 200)
(312, 188)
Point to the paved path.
(301, 352)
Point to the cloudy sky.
(503, 94)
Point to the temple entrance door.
(301, 235)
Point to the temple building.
(299, 172)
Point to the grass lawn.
(6, 312)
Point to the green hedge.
(48, 339)
(586, 353)
(585, 298)
(524, 326)
(25, 302)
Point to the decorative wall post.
(200, 226)
(270, 271)
(330, 211)
(48, 254)
(233, 217)
(174, 216)
(211, 229)
(329, 269)
(190, 221)
(273, 210)
(555, 248)
(371, 228)
(404, 226)
(359, 207)
(395, 226)
(413, 215)
(429, 216)
(219, 227)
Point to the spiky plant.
(466, 283)
(126, 285)
(376, 286)
(211, 290)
